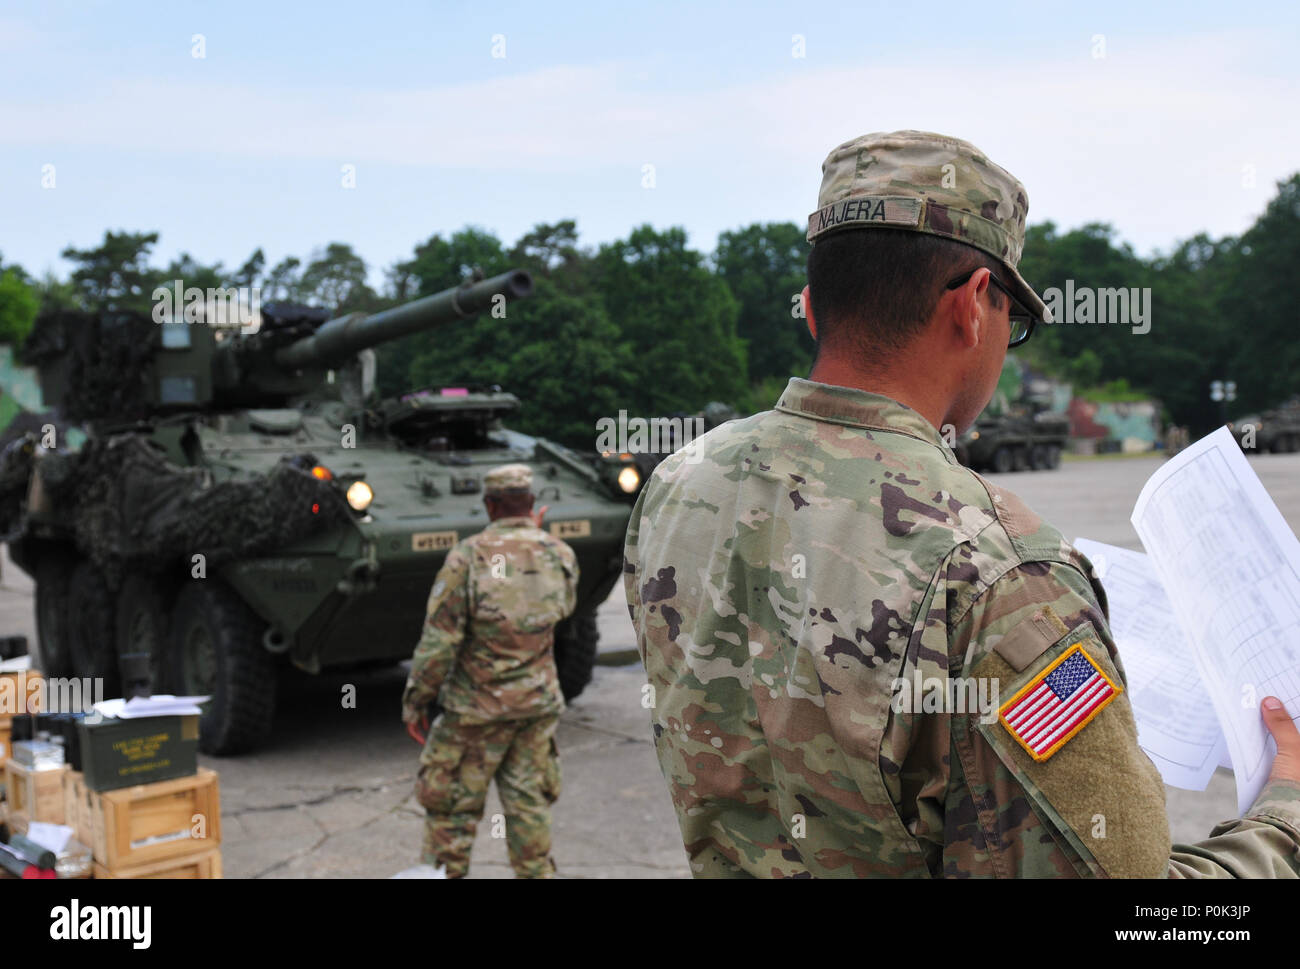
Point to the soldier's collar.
(858, 408)
(512, 521)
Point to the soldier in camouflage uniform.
(486, 656)
(839, 621)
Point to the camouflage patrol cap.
(508, 479)
(929, 183)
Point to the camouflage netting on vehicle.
(97, 363)
(25, 423)
(15, 470)
(131, 509)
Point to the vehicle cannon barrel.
(339, 339)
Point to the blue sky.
(1183, 126)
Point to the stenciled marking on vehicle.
(432, 541)
(578, 528)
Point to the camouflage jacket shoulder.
(490, 625)
(520, 529)
(926, 502)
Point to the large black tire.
(1053, 456)
(1038, 460)
(216, 644)
(143, 611)
(1003, 460)
(575, 652)
(53, 653)
(90, 626)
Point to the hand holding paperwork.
(1208, 621)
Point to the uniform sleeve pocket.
(1064, 728)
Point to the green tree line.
(649, 325)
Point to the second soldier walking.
(486, 654)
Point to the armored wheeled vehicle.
(1018, 440)
(1276, 430)
(242, 501)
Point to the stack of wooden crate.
(34, 795)
(21, 692)
(168, 829)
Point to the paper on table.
(1177, 725)
(16, 665)
(160, 705)
(109, 708)
(52, 837)
(1231, 568)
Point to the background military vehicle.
(1020, 429)
(1018, 440)
(1276, 430)
(242, 501)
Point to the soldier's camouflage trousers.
(459, 761)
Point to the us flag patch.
(1058, 703)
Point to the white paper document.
(160, 705)
(1177, 725)
(51, 837)
(16, 665)
(1230, 567)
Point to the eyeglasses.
(1022, 321)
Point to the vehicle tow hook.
(362, 577)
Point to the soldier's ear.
(966, 316)
(806, 298)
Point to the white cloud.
(1154, 139)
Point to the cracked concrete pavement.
(331, 795)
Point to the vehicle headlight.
(360, 496)
(974, 435)
(628, 479)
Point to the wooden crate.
(6, 737)
(77, 806)
(148, 823)
(34, 795)
(21, 692)
(203, 864)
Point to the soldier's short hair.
(513, 504)
(873, 291)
